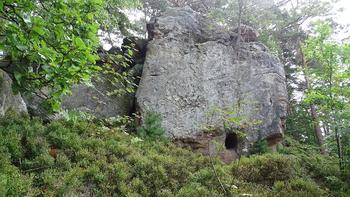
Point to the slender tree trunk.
(145, 18)
(317, 128)
(334, 117)
(339, 148)
(326, 129)
(313, 110)
(239, 28)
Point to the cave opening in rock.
(231, 141)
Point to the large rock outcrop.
(193, 66)
(9, 100)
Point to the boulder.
(99, 99)
(104, 98)
(9, 100)
(193, 66)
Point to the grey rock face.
(192, 66)
(98, 100)
(34, 107)
(8, 100)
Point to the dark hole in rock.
(231, 141)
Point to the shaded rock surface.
(95, 99)
(99, 99)
(212, 144)
(193, 66)
(34, 106)
(9, 100)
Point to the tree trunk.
(313, 110)
(339, 148)
(317, 128)
(239, 32)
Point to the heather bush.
(297, 187)
(266, 169)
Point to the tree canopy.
(51, 45)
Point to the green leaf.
(79, 42)
(59, 31)
(21, 47)
(38, 30)
(73, 69)
(62, 40)
(18, 77)
(1, 6)
(90, 16)
(136, 140)
(55, 106)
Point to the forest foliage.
(51, 45)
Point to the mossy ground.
(82, 158)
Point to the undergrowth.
(82, 158)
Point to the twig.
(35, 169)
(215, 173)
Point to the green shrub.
(260, 147)
(266, 169)
(151, 126)
(194, 190)
(21, 138)
(297, 187)
(12, 182)
(92, 160)
(322, 168)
